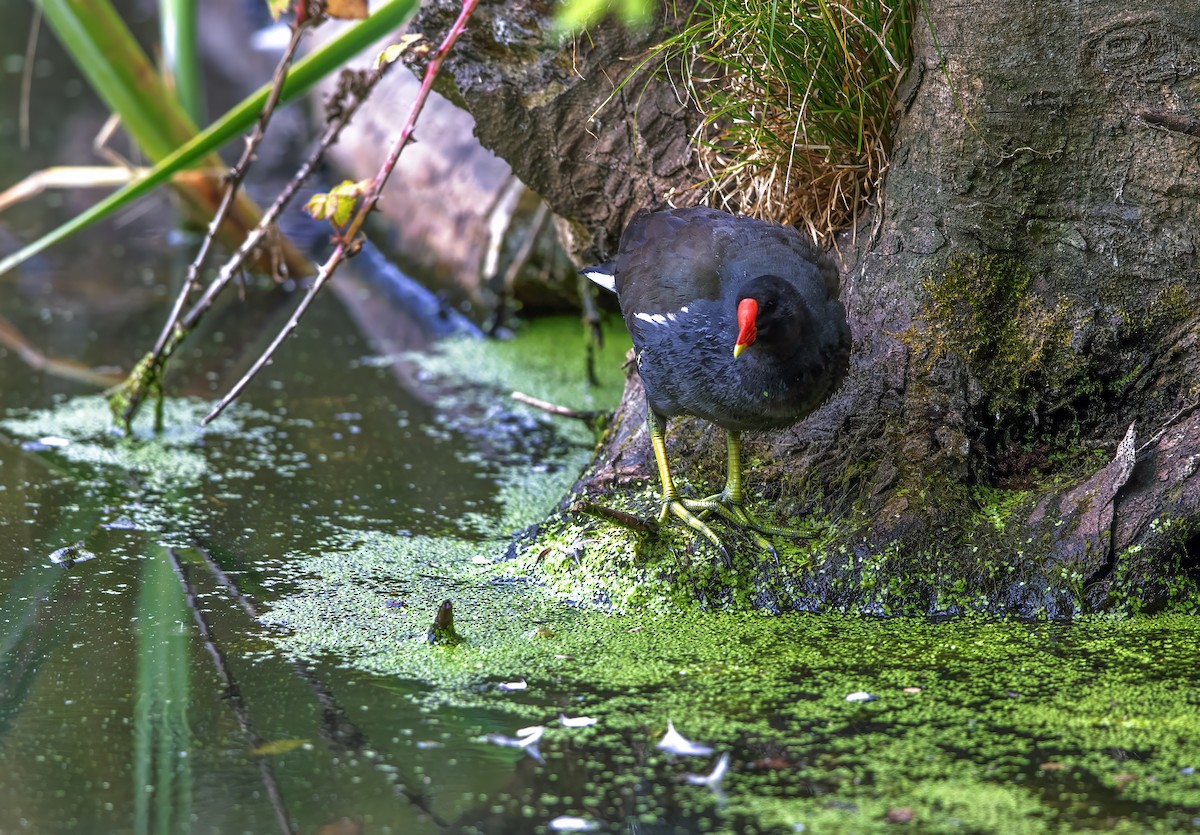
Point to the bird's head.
(770, 312)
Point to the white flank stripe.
(653, 318)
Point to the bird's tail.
(603, 275)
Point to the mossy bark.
(1017, 432)
(557, 113)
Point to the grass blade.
(189, 153)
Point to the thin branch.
(234, 181)
(587, 416)
(235, 262)
(591, 321)
(232, 695)
(348, 241)
(619, 517)
(323, 274)
(354, 89)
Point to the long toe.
(678, 509)
(736, 514)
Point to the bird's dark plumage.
(679, 275)
(693, 284)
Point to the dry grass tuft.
(798, 100)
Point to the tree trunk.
(596, 151)
(1019, 429)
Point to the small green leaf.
(338, 205)
(321, 206)
(278, 7)
(394, 51)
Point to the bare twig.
(354, 89)
(146, 379)
(620, 517)
(323, 274)
(354, 94)
(587, 416)
(234, 181)
(100, 143)
(348, 241)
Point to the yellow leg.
(728, 503)
(672, 505)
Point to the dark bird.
(733, 320)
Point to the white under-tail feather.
(602, 275)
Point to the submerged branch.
(232, 694)
(588, 416)
(15, 341)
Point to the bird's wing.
(672, 256)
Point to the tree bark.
(557, 113)
(1019, 430)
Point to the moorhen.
(733, 320)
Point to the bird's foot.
(678, 508)
(736, 514)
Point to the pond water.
(224, 630)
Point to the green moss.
(144, 382)
(1137, 577)
(1018, 349)
(166, 460)
(996, 507)
(1173, 304)
(1022, 349)
(1168, 307)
